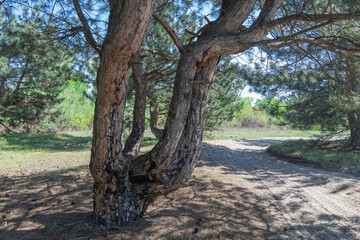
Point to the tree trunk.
(115, 200)
(125, 183)
(173, 159)
(136, 136)
(154, 116)
(353, 116)
(354, 124)
(132, 183)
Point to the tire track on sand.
(306, 203)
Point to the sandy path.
(306, 203)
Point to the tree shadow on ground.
(58, 205)
(211, 205)
(254, 157)
(56, 143)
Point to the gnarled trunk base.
(118, 203)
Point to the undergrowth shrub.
(248, 117)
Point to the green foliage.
(32, 68)
(76, 109)
(30, 152)
(275, 108)
(32, 142)
(2, 139)
(248, 117)
(317, 95)
(244, 133)
(2, 120)
(222, 105)
(30, 40)
(327, 154)
(321, 86)
(314, 112)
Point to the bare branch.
(9, 129)
(267, 13)
(192, 33)
(165, 56)
(169, 30)
(217, 90)
(87, 32)
(207, 19)
(70, 32)
(21, 78)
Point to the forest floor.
(236, 192)
(58, 205)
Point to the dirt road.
(306, 203)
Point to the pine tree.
(33, 69)
(126, 183)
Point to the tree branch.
(87, 32)
(133, 143)
(230, 43)
(217, 90)
(9, 129)
(268, 13)
(20, 80)
(287, 41)
(170, 31)
(164, 55)
(312, 17)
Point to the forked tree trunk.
(172, 160)
(125, 183)
(354, 124)
(133, 183)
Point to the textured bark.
(125, 183)
(353, 116)
(164, 169)
(154, 116)
(172, 160)
(115, 201)
(136, 136)
(354, 123)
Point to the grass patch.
(37, 162)
(25, 143)
(243, 133)
(31, 153)
(332, 155)
(236, 133)
(149, 141)
(34, 153)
